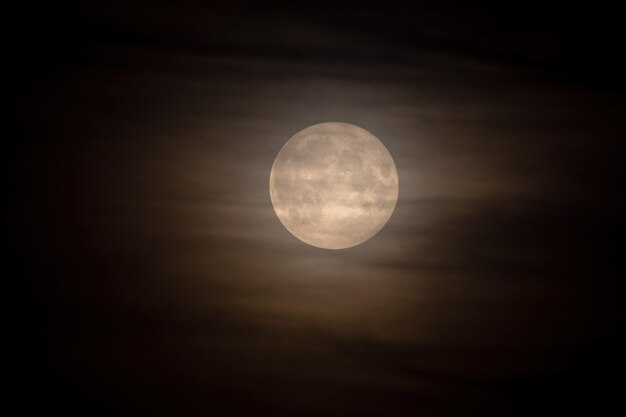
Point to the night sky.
(148, 274)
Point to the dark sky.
(153, 277)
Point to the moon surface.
(334, 185)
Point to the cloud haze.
(161, 281)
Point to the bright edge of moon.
(334, 185)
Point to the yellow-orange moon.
(334, 185)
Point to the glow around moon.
(334, 185)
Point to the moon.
(334, 185)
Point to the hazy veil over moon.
(334, 185)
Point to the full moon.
(334, 185)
